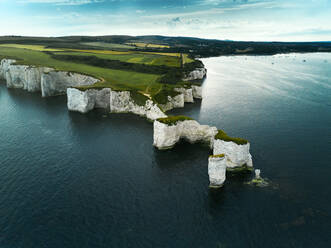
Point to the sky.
(247, 20)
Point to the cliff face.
(56, 82)
(197, 74)
(173, 102)
(166, 136)
(188, 94)
(46, 80)
(113, 101)
(84, 101)
(236, 155)
(51, 82)
(217, 170)
(197, 91)
(122, 102)
(22, 76)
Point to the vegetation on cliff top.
(173, 120)
(129, 57)
(161, 96)
(138, 98)
(150, 73)
(240, 169)
(221, 135)
(217, 156)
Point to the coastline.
(50, 83)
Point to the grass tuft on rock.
(173, 120)
(241, 169)
(221, 135)
(217, 156)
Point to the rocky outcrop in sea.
(229, 154)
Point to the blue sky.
(279, 20)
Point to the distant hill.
(196, 47)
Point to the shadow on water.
(216, 197)
(182, 154)
(34, 99)
(191, 109)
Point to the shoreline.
(50, 83)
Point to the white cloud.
(247, 20)
(63, 2)
(140, 11)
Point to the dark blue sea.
(95, 180)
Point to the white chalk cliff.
(84, 101)
(217, 170)
(22, 76)
(187, 92)
(166, 136)
(56, 82)
(51, 82)
(114, 101)
(47, 80)
(197, 74)
(187, 96)
(173, 102)
(122, 102)
(197, 91)
(236, 155)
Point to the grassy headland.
(146, 73)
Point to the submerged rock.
(217, 170)
(259, 181)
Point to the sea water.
(95, 180)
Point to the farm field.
(140, 58)
(146, 45)
(31, 47)
(108, 45)
(117, 79)
(149, 58)
(147, 83)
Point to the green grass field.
(145, 83)
(140, 58)
(116, 79)
(31, 47)
(147, 45)
(108, 45)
